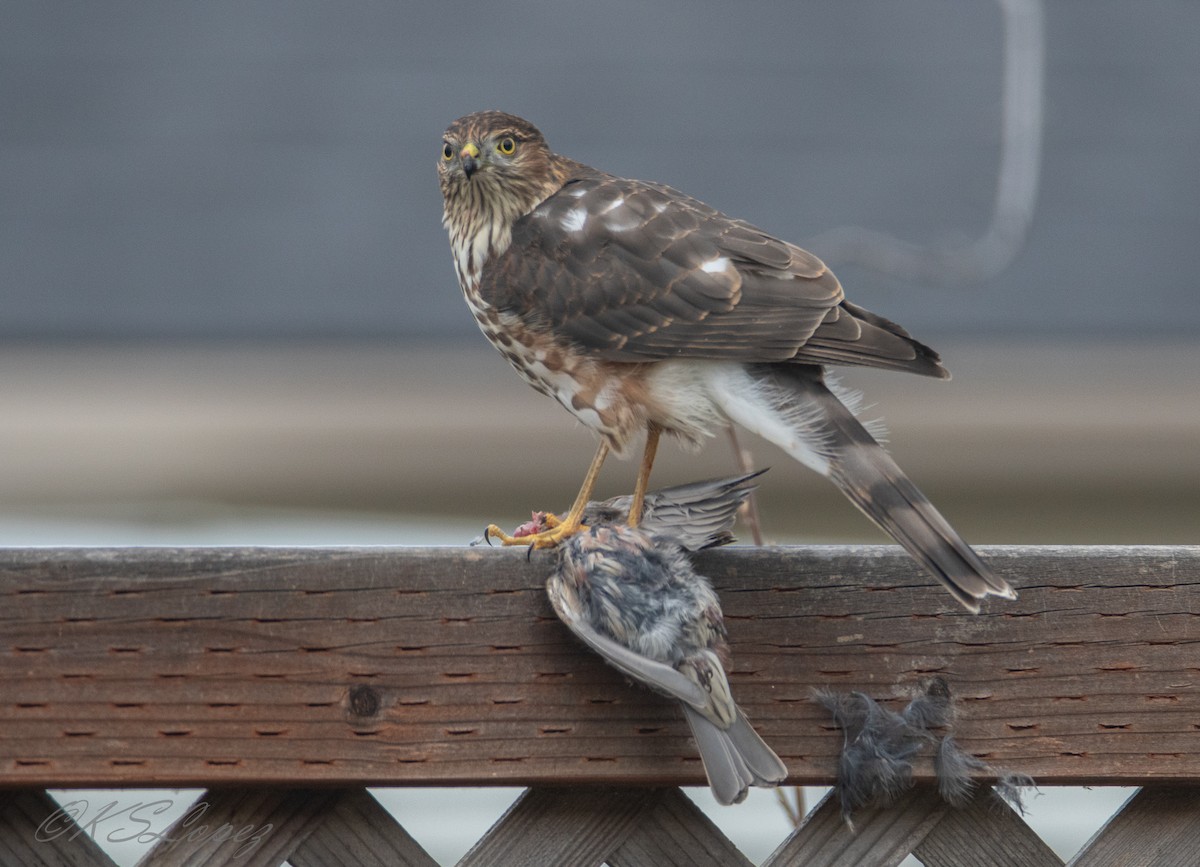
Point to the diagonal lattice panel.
(620, 827)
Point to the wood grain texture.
(986, 833)
(209, 667)
(251, 827)
(358, 831)
(879, 837)
(1157, 827)
(674, 832)
(36, 832)
(577, 827)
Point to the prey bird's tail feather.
(790, 405)
(734, 758)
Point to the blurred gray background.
(223, 278)
(267, 169)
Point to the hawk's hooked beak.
(470, 159)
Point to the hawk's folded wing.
(635, 271)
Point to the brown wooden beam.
(139, 667)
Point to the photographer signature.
(123, 822)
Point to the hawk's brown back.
(635, 271)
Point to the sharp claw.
(548, 537)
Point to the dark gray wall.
(244, 169)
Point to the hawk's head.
(497, 163)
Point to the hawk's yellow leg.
(643, 479)
(560, 528)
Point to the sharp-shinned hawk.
(642, 310)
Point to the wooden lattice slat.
(986, 833)
(1158, 825)
(674, 831)
(34, 831)
(358, 831)
(880, 837)
(266, 825)
(561, 826)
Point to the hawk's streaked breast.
(586, 388)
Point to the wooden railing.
(284, 681)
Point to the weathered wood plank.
(986, 833)
(446, 666)
(250, 827)
(357, 830)
(35, 831)
(1159, 826)
(879, 838)
(570, 827)
(674, 832)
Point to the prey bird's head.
(497, 163)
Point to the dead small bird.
(696, 515)
(634, 598)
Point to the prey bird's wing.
(695, 515)
(635, 271)
(656, 675)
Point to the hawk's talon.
(494, 532)
(556, 531)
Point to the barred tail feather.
(791, 406)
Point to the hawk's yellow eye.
(506, 145)
(447, 151)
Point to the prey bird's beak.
(470, 159)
